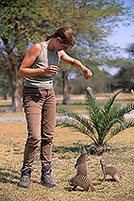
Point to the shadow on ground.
(6, 176)
(63, 149)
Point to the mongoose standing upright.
(109, 170)
(80, 178)
(81, 163)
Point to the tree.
(124, 78)
(102, 123)
(93, 22)
(20, 23)
(26, 22)
(100, 77)
(130, 49)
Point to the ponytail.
(49, 36)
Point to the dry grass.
(65, 151)
(66, 148)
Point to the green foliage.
(123, 79)
(102, 123)
(26, 22)
(21, 22)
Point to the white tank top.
(46, 58)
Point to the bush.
(102, 123)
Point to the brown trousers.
(40, 110)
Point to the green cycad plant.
(101, 123)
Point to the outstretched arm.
(76, 63)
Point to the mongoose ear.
(82, 147)
(83, 150)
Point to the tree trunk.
(11, 63)
(66, 98)
(16, 84)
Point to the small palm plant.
(102, 123)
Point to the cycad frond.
(126, 109)
(77, 117)
(99, 126)
(119, 128)
(78, 126)
(93, 108)
(90, 94)
(91, 103)
(116, 115)
(109, 103)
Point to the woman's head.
(65, 35)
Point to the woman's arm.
(32, 54)
(76, 63)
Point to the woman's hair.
(66, 35)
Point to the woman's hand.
(76, 63)
(51, 70)
(87, 73)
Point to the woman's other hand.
(52, 70)
(87, 73)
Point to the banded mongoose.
(81, 163)
(82, 181)
(109, 170)
(80, 178)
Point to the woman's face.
(61, 46)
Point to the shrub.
(102, 123)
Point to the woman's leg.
(48, 127)
(33, 102)
(33, 110)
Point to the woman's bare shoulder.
(35, 49)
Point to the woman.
(38, 67)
